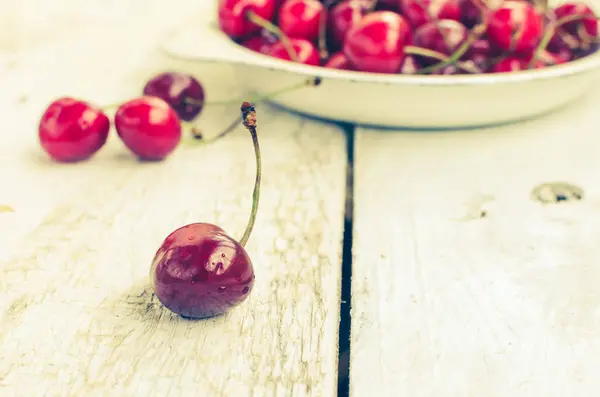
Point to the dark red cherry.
(233, 20)
(343, 16)
(199, 271)
(513, 64)
(305, 51)
(300, 19)
(444, 36)
(376, 43)
(71, 130)
(176, 88)
(149, 127)
(515, 26)
(339, 61)
(420, 12)
(258, 44)
(409, 65)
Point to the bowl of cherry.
(402, 63)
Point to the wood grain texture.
(462, 284)
(76, 315)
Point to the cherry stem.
(309, 82)
(273, 29)
(198, 135)
(249, 121)
(552, 28)
(323, 53)
(372, 5)
(427, 53)
(475, 33)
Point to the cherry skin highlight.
(175, 88)
(233, 19)
(299, 19)
(515, 26)
(199, 271)
(376, 43)
(305, 51)
(149, 127)
(409, 65)
(71, 130)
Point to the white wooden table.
(461, 284)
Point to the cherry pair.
(73, 130)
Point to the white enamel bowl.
(391, 100)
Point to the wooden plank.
(77, 317)
(463, 285)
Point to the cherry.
(515, 26)
(444, 36)
(300, 18)
(513, 64)
(409, 65)
(339, 61)
(71, 130)
(419, 12)
(199, 271)
(233, 16)
(343, 16)
(149, 127)
(182, 91)
(304, 50)
(376, 43)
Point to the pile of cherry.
(413, 36)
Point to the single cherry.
(515, 26)
(376, 43)
(149, 127)
(71, 130)
(304, 50)
(182, 91)
(342, 17)
(199, 271)
(444, 36)
(420, 12)
(233, 16)
(339, 61)
(299, 19)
